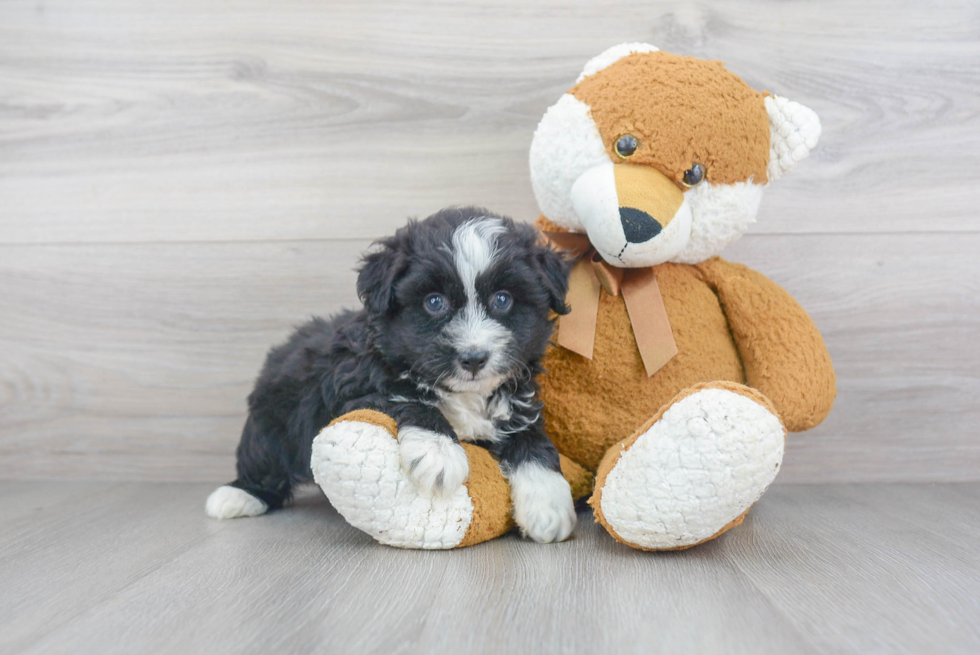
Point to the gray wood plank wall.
(180, 182)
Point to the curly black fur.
(389, 356)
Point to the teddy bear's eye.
(626, 145)
(693, 176)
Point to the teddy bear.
(673, 380)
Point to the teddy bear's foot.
(693, 471)
(356, 462)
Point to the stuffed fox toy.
(674, 378)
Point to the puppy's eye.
(693, 176)
(626, 145)
(502, 302)
(436, 304)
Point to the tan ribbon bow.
(640, 290)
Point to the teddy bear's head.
(658, 157)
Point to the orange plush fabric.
(372, 417)
(781, 349)
(592, 404)
(490, 495)
(682, 110)
(730, 324)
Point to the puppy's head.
(462, 299)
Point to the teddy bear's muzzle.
(635, 215)
(650, 198)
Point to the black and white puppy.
(456, 319)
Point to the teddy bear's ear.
(612, 55)
(793, 132)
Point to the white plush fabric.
(357, 466)
(596, 204)
(720, 215)
(793, 132)
(708, 459)
(611, 56)
(566, 144)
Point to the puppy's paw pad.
(231, 503)
(433, 461)
(543, 507)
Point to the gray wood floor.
(137, 568)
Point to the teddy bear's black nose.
(638, 226)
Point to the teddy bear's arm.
(781, 349)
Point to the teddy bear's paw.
(693, 473)
(358, 466)
(435, 462)
(543, 507)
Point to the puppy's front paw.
(543, 507)
(432, 460)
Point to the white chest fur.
(474, 415)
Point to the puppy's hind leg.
(263, 481)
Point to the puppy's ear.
(552, 269)
(379, 272)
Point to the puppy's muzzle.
(474, 360)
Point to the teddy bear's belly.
(590, 405)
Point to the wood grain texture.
(815, 569)
(180, 183)
(875, 549)
(133, 361)
(231, 120)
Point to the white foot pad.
(232, 503)
(358, 467)
(707, 460)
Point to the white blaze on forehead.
(474, 248)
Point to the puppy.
(456, 319)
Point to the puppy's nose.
(473, 360)
(638, 226)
